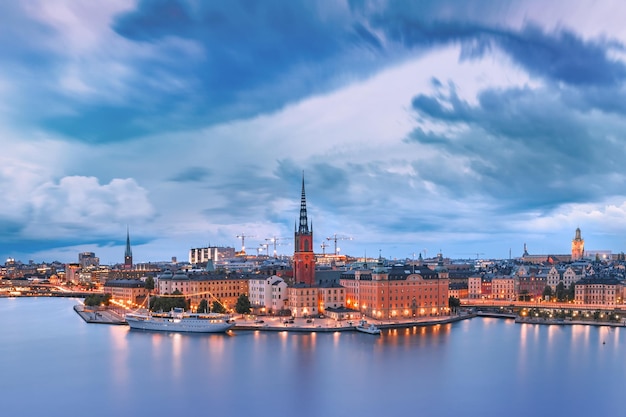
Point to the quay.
(276, 324)
(100, 315)
(559, 322)
(103, 315)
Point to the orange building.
(398, 292)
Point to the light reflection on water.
(475, 367)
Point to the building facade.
(398, 292)
(195, 287)
(129, 291)
(504, 288)
(267, 295)
(599, 291)
(210, 253)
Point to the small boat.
(367, 328)
(178, 320)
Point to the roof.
(125, 283)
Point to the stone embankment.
(100, 315)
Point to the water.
(52, 363)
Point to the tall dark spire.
(304, 225)
(128, 254)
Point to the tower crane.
(337, 237)
(243, 242)
(274, 241)
(324, 245)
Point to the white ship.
(365, 328)
(179, 321)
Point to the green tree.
(149, 284)
(453, 303)
(560, 291)
(243, 305)
(218, 307)
(547, 292)
(571, 292)
(167, 303)
(97, 299)
(203, 306)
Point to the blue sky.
(468, 127)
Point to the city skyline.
(469, 128)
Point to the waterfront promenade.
(278, 324)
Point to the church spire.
(128, 254)
(304, 225)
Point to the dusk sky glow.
(467, 127)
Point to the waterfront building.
(331, 295)
(566, 275)
(303, 257)
(126, 290)
(401, 291)
(474, 287)
(267, 294)
(222, 287)
(458, 290)
(578, 246)
(486, 287)
(504, 288)
(303, 300)
(605, 291)
(531, 285)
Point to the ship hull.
(187, 325)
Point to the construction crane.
(337, 237)
(243, 242)
(324, 245)
(274, 241)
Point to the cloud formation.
(466, 127)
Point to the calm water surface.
(53, 363)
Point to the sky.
(470, 128)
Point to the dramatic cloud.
(419, 126)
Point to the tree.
(560, 291)
(243, 305)
(203, 306)
(168, 303)
(93, 300)
(453, 303)
(149, 284)
(547, 292)
(218, 307)
(571, 292)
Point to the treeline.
(169, 303)
(93, 300)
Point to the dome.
(180, 275)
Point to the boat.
(367, 328)
(178, 320)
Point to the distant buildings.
(215, 254)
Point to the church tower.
(303, 257)
(128, 254)
(578, 246)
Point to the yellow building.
(126, 290)
(225, 288)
